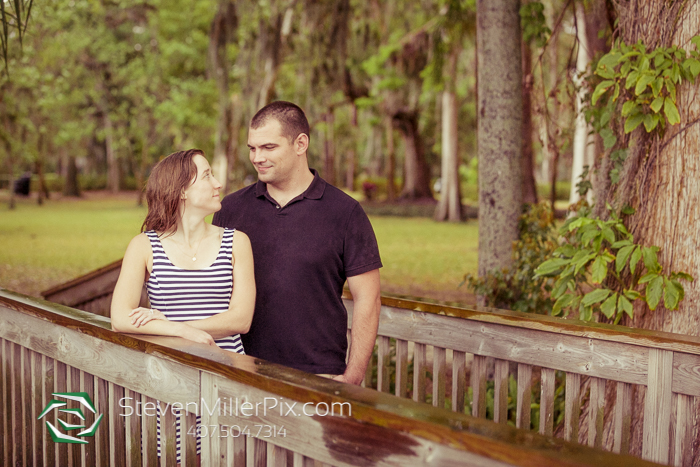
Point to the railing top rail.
(607, 332)
(459, 431)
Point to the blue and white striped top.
(191, 294)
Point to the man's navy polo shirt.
(303, 253)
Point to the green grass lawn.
(42, 246)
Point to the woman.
(199, 277)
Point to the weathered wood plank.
(276, 456)
(572, 407)
(658, 406)
(60, 377)
(49, 446)
(26, 388)
(683, 432)
(189, 425)
(6, 375)
(383, 364)
(522, 417)
(478, 383)
(87, 384)
(419, 377)
(75, 453)
(547, 382)
(36, 396)
(401, 384)
(576, 354)
(149, 438)
(439, 368)
(117, 427)
(500, 391)
(16, 404)
(459, 381)
(168, 435)
(623, 418)
(103, 406)
(596, 409)
(256, 452)
(133, 436)
(146, 374)
(210, 444)
(686, 374)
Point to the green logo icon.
(59, 437)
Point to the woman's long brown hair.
(168, 181)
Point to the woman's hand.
(140, 316)
(196, 335)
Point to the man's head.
(278, 139)
(290, 117)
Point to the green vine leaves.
(646, 81)
(600, 268)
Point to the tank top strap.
(226, 251)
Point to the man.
(308, 237)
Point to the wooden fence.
(268, 415)
(498, 364)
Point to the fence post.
(658, 406)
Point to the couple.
(303, 238)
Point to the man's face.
(272, 154)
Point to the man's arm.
(365, 320)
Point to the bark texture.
(660, 180)
(499, 130)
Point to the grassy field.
(42, 246)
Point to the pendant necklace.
(194, 257)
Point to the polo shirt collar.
(314, 191)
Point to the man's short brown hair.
(290, 116)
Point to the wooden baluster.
(683, 434)
(27, 422)
(168, 436)
(236, 447)
(572, 408)
(188, 423)
(401, 384)
(133, 431)
(301, 461)
(439, 362)
(500, 392)
(478, 381)
(87, 384)
(596, 409)
(75, 451)
(419, 363)
(623, 418)
(117, 427)
(49, 447)
(276, 456)
(149, 438)
(367, 381)
(61, 383)
(103, 407)
(458, 380)
(547, 382)
(522, 418)
(383, 364)
(256, 452)
(210, 444)
(36, 408)
(6, 383)
(658, 406)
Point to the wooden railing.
(48, 349)
(516, 352)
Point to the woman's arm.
(237, 319)
(127, 294)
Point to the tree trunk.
(273, 41)
(391, 161)
(70, 187)
(112, 163)
(329, 149)
(416, 176)
(499, 130)
(660, 180)
(450, 205)
(528, 153)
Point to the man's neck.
(284, 193)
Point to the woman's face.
(203, 192)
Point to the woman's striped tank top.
(192, 294)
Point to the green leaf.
(653, 292)
(600, 90)
(609, 235)
(651, 261)
(599, 270)
(595, 296)
(567, 250)
(682, 275)
(607, 64)
(671, 112)
(631, 79)
(609, 305)
(589, 235)
(562, 302)
(625, 306)
(693, 66)
(656, 86)
(585, 312)
(636, 256)
(560, 287)
(609, 138)
(671, 88)
(622, 257)
(650, 122)
(643, 82)
(633, 122)
(582, 262)
(648, 277)
(621, 243)
(550, 266)
(672, 294)
(627, 108)
(632, 294)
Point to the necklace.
(194, 257)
